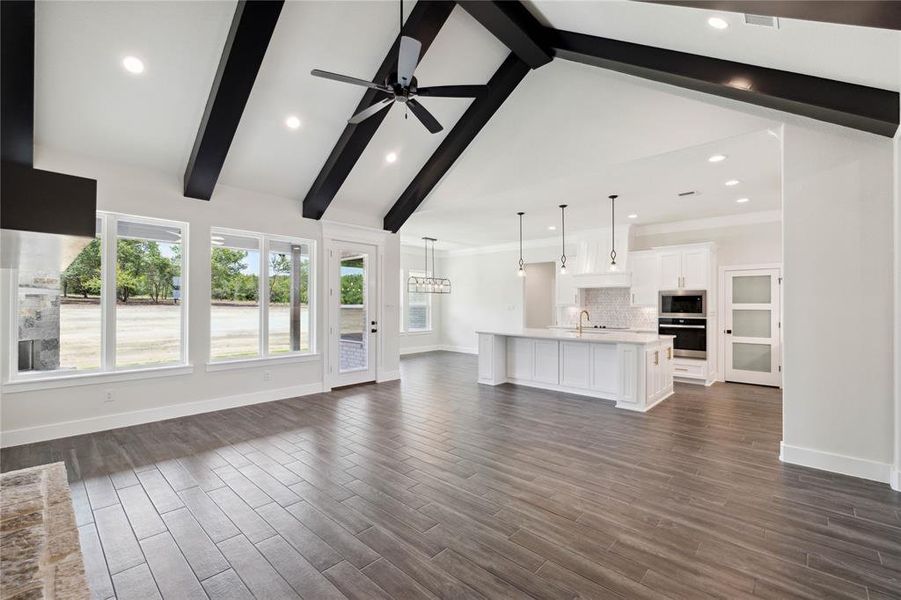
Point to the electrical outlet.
(108, 396)
(267, 375)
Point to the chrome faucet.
(584, 312)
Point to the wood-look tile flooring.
(439, 487)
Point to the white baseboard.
(896, 480)
(389, 376)
(460, 349)
(28, 435)
(837, 463)
(419, 349)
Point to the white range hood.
(592, 262)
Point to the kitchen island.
(633, 369)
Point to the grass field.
(150, 333)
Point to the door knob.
(373, 330)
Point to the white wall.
(49, 413)
(410, 343)
(735, 244)
(539, 294)
(838, 289)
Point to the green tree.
(130, 266)
(226, 265)
(85, 267)
(352, 288)
(159, 272)
(279, 278)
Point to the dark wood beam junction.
(501, 85)
(31, 200)
(864, 13)
(246, 44)
(423, 23)
(514, 25)
(860, 107)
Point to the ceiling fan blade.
(407, 59)
(430, 122)
(452, 91)
(347, 79)
(368, 112)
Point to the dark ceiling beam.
(514, 26)
(245, 47)
(860, 107)
(423, 24)
(864, 13)
(501, 85)
(17, 81)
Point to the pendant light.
(522, 271)
(613, 198)
(563, 238)
(428, 284)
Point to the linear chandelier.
(428, 284)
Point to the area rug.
(40, 556)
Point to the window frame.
(107, 371)
(264, 240)
(408, 304)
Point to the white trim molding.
(460, 349)
(896, 480)
(419, 349)
(837, 463)
(763, 216)
(41, 433)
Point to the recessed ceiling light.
(292, 122)
(732, 182)
(133, 64)
(718, 22)
(552, 228)
(391, 157)
(742, 200)
(633, 216)
(717, 158)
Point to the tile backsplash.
(611, 307)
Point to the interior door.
(353, 326)
(752, 324)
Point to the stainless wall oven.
(690, 335)
(682, 303)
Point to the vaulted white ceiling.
(87, 104)
(566, 134)
(862, 55)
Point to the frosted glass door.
(752, 327)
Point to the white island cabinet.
(633, 369)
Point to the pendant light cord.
(401, 17)
(563, 234)
(520, 240)
(612, 229)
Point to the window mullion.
(264, 296)
(108, 292)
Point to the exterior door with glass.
(753, 327)
(353, 325)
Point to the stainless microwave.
(682, 303)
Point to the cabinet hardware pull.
(656, 357)
(669, 353)
(681, 369)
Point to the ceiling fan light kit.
(402, 86)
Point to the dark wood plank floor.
(438, 487)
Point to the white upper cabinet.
(685, 267)
(670, 269)
(696, 269)
(645, 279)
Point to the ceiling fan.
(402, 86)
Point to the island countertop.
(588, 335)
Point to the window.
(419, 309)
(118, 304)
(148, 293)
(260, 296)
